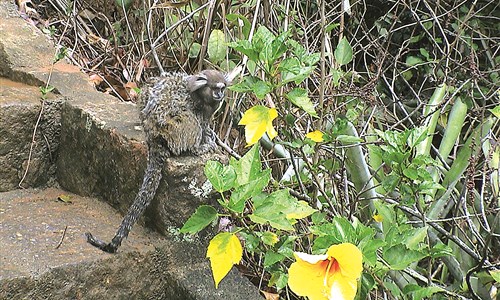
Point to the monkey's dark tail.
(100, 244)
(147, 192)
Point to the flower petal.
(307, 279)
(343, 288)
(349, 258)
(310, 258)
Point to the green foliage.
(45, 90)
(343, 52)
(217, 46)
(283, 61)
(403, 102)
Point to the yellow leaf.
(64, 198)
(316, 136)
(257, 121)
(378, 218)
(224, 251)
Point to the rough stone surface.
(89, 144)
(35, 266)
(20, 107)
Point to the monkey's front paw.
(206, 148)
(100, 244)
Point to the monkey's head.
(207, 88)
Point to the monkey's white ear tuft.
(231, 75)
(196, 82)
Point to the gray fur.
(175, 112)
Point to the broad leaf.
(298, 209)
(201, 218)
(292, 70)
(244, 192)
(194, 51)
(221, 177)
(269, 238)
(258, 120)
(496, 110)
(415, 237)
(298, 96)
(246, 48)
(280, 210)
(343, 52)
(223, 251)
(262, 38)
(249, 167)
(261, 89)
(400, 257)
(217, 47)
(271, 257)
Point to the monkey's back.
(168, 113)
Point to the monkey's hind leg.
(147, 192)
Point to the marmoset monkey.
(175, 112)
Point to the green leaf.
(298, 210)
(299, 97)
(249, 167)
(369, 251)
(202, 217)
(440, 250)
(217, 47)
(425, 54)
(269, 238)
(367, 284)
(271, 209)
(496, 110)
(244, 192)
(419, 292)
(261, 89)
(194, 51)
(348, 139)
(413, 60)
(273, 51)
(271, 257)
(123, 3)
(292, 70)
(399, 257)
(251, 241)
(496, 275)
(221, 177)
(339, 227)
(246, 48)
(415, 237)
(415, 136)
(262, 38)
(242, 22)
(267, 214)
(343, 52)
(245, 86)
(279, 279)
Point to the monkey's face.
(218, 91)
(208, 87)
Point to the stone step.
(44, 255)
(88, 145)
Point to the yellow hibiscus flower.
(332, 276)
